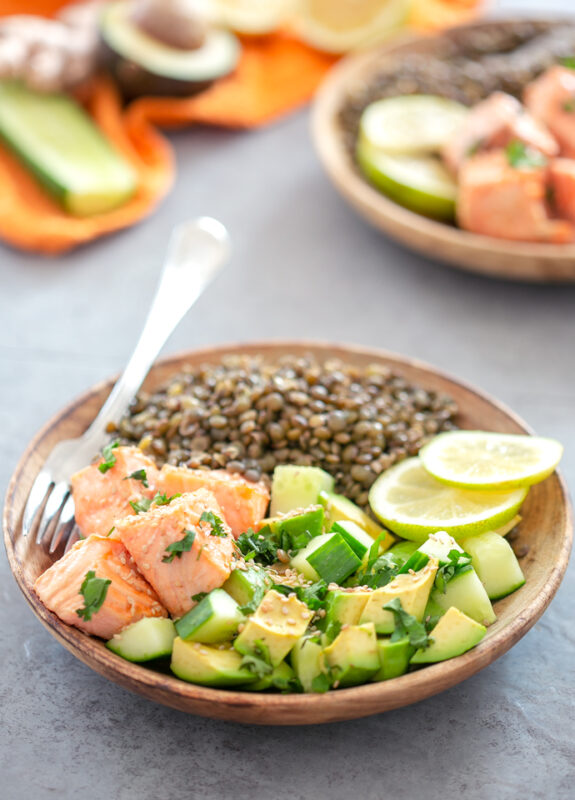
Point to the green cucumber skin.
(506, 594)
(334, 560)
(208, 622)
(161, 650)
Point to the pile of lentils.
(246, 415)
(472, 64)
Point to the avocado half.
(143, 65)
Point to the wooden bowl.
(546, 530)
(498, 258)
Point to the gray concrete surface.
(304, 266)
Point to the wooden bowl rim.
(171, 691)
(333, 155)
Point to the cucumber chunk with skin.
(339, 508)
(454, 634)
(216, 618)
(297, 529)
(296, 487)
(402, 551)
(149, 638)
(247, 586)
(359, 540)
(439, 545)
(495, 563)
(328, 557)
(466, 592)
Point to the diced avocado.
(275, 627)
(209, 666)
(277, 678)
(246, 586)
(402, 551)
(454, 634)
(215, 619)
(439, 545)
(359, 540)
(393, 657)
(344, 607)
(65, 150)
(339, 508)
(495, 563)
(297, 487)
(466, 592)
(432, 613)
(152, 637)
(308, 663)
(295, 531)
(353, 655)
(412, 590)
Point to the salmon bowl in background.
(544, 532)
(460, 145)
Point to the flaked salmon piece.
(128, 598)
(244, 503)
(496, 199)
(102, 498)
(492, 124)
(551, 100)
(562, 177)
(202, 560)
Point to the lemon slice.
(252, 16)
(480, 460)
(413, 504)
(339, 25)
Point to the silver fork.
(197, 251)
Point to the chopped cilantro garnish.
(458, 563)
(139, 475)
(520, 156)
(94, 591)
(321, 683)
(379, 570)
(569, 105)
(215, 522)
(108, 456)
(176, 549)
(259, 661)
(313, 596)
(141, 505)
(163, 499)
(406, 625)
(568, 62)
(263, 551)
(199, 596)
(200, 551)
(257, 597)
(111, 531)
(286, 685)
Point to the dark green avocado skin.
(134, 80)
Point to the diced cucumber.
(149, 638)
(454, 634)
(247, 586)
(401, 552)
(344, 608)
(64, 149)
(359, 540)
(495, 564)
(296, 530)
(439, 545)
(307, 661)
(297, 487)
(415, 562)
(393, 657)
(333, 559)
(339, 508)
(466, 592)
(209, 666)
(216, 618)
(353, 655)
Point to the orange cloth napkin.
(276, 74)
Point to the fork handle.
(197, 251)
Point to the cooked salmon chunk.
(562, 176)
(100, 498)
(177, 551)
(128, 597)
(551, 100)
(494, 123)
(497, 199)
(244, 503)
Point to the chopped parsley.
(379, 570)
(259, 590)
(569, 105)
(313, 596)
(321, 683)
(111, 531)
(215, 523)
(176, 549)
(458, 563)
(520, 156)
(568, 62)
(259, 661)
(141, 505)
(94, 591)
(199, 596)
(108, 456)
(163, 499)
(139, 475)
(406, 625)
(261, 550)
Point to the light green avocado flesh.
(149, 638)
(353, 656)
(277, 678)
(393, 657)
(208, 666)
(454, 634)
(307, 661)
(65, 150)
(495, 563)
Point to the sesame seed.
(335, 684)
(291, 621)
(305, 614)
(285, 610)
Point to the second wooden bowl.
(494, 257)
(546, 531)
